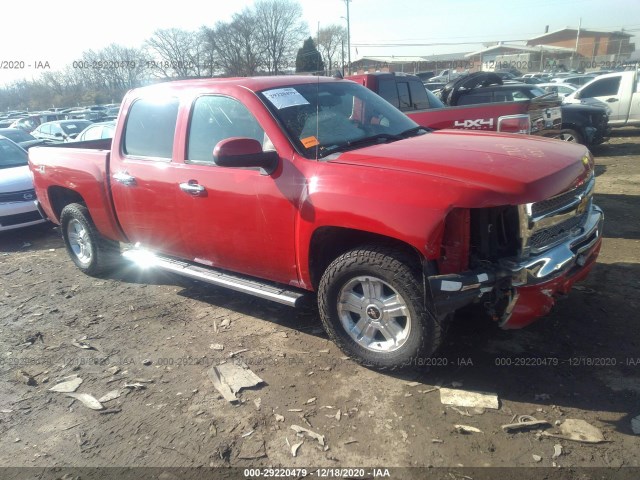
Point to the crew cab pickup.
(408, 94)
(585, 124)
(282, 187)
(620, 92)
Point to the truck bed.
(79, 169)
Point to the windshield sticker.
(309, 142)
(285, 97)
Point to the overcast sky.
(59, 32)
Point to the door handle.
(124, 178)
(193, 188)
(612, 100)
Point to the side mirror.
(577, 95)
(58, 135)
(244, 152)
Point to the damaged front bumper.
(517, 291)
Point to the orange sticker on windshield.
(309, 142)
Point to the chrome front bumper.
(452, 291)
(559, 259)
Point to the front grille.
(559, 201)
(19, 218)
(555, 234)
(21, 196)
(549, 222)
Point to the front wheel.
(372, 306)
(569, 135)
(91, 252)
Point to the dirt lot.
(159, 332)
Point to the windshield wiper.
(372, 140)
(360, 142)
(412, 131)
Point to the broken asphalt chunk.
(87, 400)
(466, 398)
(252, 448)
(111, 395)
(466, 429)
(314, 435)
(230, 378)
(578, 431)
(67, 387)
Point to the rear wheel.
(372, 306)
(91, 252)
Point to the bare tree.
(330, 44)
(107, 73)
(281, 31)
(235, 46)
(176, 53)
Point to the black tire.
(396, 273)
(90, 251)
(569, 135)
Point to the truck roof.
(251, 83)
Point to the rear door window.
(150, 128)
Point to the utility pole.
(348, 36)
(577, 41)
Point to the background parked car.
(97, 131)
(528, 80)
(575, 80)
(30, 122)
(561, 89)
(60, 131)
(22, 138)
(434, 86)
(17, 196)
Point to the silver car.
(17, 196)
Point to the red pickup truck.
(541, 116)
(285, 186)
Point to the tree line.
(264, 39)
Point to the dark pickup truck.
(584, 124)
(407, 93)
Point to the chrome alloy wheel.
(80, 241)
(374, 314)
(567, 137)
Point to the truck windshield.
(11, 155)
(326, 117)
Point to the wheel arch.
(60, 197)
(329, 242)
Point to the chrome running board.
(257, 288)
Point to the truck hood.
(526, 168)
(15, 179)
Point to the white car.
(562, 89)
(17, 196)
